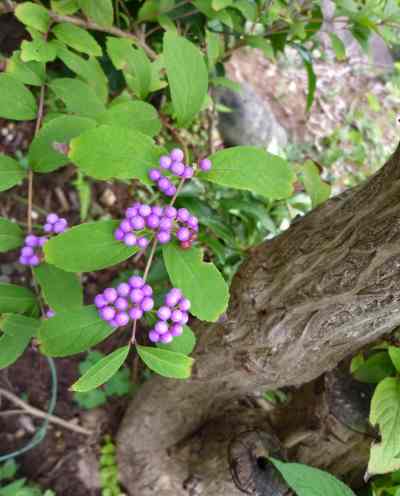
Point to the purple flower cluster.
(173, 315)
(164, 221)
(55, 224)
(130, 300)
(31, 252)
(173, 163)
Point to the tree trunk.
(300, 304)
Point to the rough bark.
(299, 305)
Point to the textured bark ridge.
(300, 304)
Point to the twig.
(176, 135)
(35, 412)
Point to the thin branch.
(35, 412)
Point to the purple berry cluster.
(130, 300)
(163, 221)
(31, 253)
(173, 315)
(173, 163)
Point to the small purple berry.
(164, 183)
(100, 301)
(177, 168)
(170, 191)
(172, 297)
(119, 234)
(122, 318)
(27, 251)
(121, 303)
(144, 210)
(130, 212)
(125, 226)
(135, 313)
(153, 221)
(157, 210)
(147, 290)
(161, 327)
(34, 260)
(143, 242)
(113, 323)
(136, 295)
(185, 318)
(52, 218)
(170, 212)
(137, 222)
(42, 240)
(193, 221)
(176, 316)
(136, 205)
(136, 282)
(166, 338)
(24, 260)
(123, 289)
(177, 155)
(31, 240)
(188, 172)
(147, 304)
(130, 239)
(184, 304)
(154, 174)
(176, 330)
(165, 162)
(107, 313)
(110, 294)
(183, 234)
(60, 226)
(164, 313)
(183, 214)
(154, 336)
(205, 164)
(164, 237)
(50, 313)
(48, 228)
(165, 224)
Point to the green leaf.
(338, 46)
(32, 73)
(79, 97)
(103, 370)
(134, 64)
(8, 469)
(184, 343)
(263, 44)
(214, 48)
(99, 11)
(166, 363)
(318, 190)
(139, 116)
(247, 8)
(394, 354)
(73, 331)
(91, 400)
(42, 156)
(33, 15)
(374, 368)
(200, 281)
(17, 332)
(311, 77)
(187, 77)
(87, 247)
(11, 173)
(77, 38)
(221, 4)
(114, 152)
(16, 299)
(11, 235)
(385, 413)
(60, 289)
(88, 69)
(307, 481)
(64, 7)
(23, 106)
(253, 169)
(38, 50)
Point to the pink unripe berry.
(177, 155)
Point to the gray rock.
(250, 121)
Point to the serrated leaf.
(253, 169)
(38, 50)
(100, 11)
(135, 115)
(200, 281)
(73, 331)
(87, 247)
(166, 363)
(77, 38)
(318, 190)
(42, 156)
(394, 354)
(102, 371)
(32, 73)
(338, 46)
(65, 7)
(17, 332)
(16, 299)
(33, 15)
(385, 413)
(307, 481)
(187, 76)
(184, 343)
(114, 152)
(11, 173)
(78, 97)
(11, 235)
(16, 101)
(61, 290)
